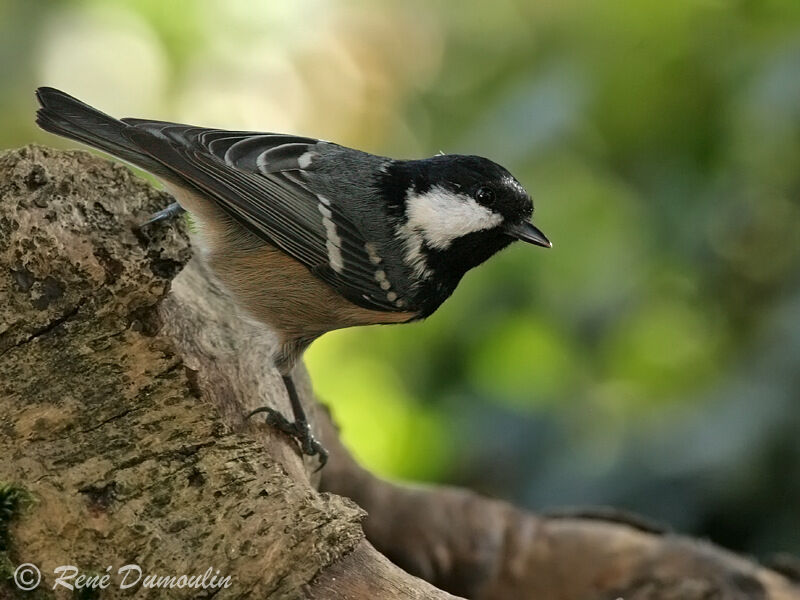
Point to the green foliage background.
(651, 360)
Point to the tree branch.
(125, 372)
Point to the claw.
(297, 430)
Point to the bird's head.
(454, 195)
(456, 211)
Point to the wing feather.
(260, 179)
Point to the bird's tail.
(66, 116)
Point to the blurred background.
(651, 360)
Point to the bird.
(310, 236)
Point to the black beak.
(527, 232)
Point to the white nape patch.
(334, 242)
(304, 160)
(441, 216)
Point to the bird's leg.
(173, 210)
(299, 429)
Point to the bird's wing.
(260, 180)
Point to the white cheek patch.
(441, 216)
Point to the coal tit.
(310, 236)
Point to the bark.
(125, 372)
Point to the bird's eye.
(485, 195)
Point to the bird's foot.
(299, 430)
